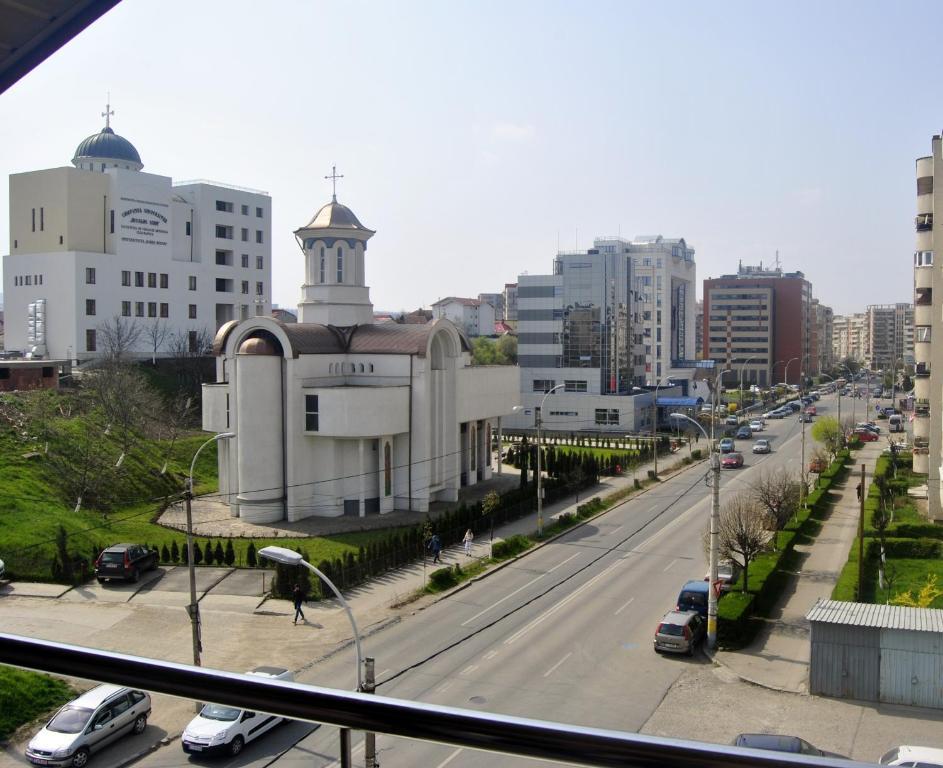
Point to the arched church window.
(361, 367)
(371, 367)
(321, 278)
(340, 265)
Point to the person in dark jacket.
(298, 597)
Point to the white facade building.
(103, 243)
(338, 415)
(473, 316)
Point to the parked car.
(774, 413)
(762, 446)
(744, 433)
(726, 445)
(865, 435)
(731, 461)
(693, 597)
(757, 426)
(124, 561)
(868, 425)
(731, 421)
(928, 757)
(679, 632)
(811, 409)
(776, 743)
(87, 724)
(223, 729)
(727, 573)
(793, 405)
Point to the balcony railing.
(572, 744)
(924, 222)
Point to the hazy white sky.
(476, 136)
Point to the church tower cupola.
(106, 149)
(334, 243)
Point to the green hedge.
(511, 546)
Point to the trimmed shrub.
(510, 547)
(443, 578)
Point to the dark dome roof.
(107, 145)
(334, 216)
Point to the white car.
(926, 757)
(223, 729)
(756, 425)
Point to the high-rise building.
(928, 356)
(849, 337)
(889, 335)
(102, 252)
(760, 322)
(496, 300)
(824, 320)
(510, 303)
(699, 330)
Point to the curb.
(712, 657)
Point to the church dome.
(107, 146)
(334, 216)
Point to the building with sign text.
(105, 258)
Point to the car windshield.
(70, 720)
(219, 712)
(670, 629)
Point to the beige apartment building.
(890, 336)
(849, 337)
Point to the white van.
(895, 423)
(222, 729)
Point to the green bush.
(510, 547)
(914, 531)
(444, 578)
(734, 627)
(923, 549)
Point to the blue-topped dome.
(109, 148)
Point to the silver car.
(86, 724)
(679, 632)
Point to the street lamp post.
(655, 427)
(290, 557)
(742, 366)
(786, 370)
(193, 609)
(540, 486)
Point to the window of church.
(361, 367)
(90, 340)
(192, 311)
(321, 278)
(371, 367)
(340, 265)
(311, 413)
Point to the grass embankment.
(24, 696)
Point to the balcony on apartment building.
(921, 406)
(924, 222)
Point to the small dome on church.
(334, 216)
(107, 146)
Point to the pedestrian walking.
(858, 491)
(435, 546)
(298, 597)
(467, 540)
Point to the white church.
(335, 415)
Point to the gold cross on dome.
(108, 112)
(334, 177)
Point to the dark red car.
(731, 460)
(865, 435)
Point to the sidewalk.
(779, 656)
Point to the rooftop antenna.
(108, 111)
(777, 258)
(334, 177)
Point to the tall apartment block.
(824, 328)
(890, 336)
(928, 387)
(761, 321)
(850, 337)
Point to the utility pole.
(369, 738)
(860, 534)
(193, 609)
(540, 486)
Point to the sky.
(477, 138)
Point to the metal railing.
(524, 737)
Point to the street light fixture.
(193, 609)
(540, 487)
(655, 425)
(786, 370)
(742, 366)
(290, 557)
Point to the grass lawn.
(910, 575)
(25, 696)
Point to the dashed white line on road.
(450, 758)
(444, 687)
(556, 666)
(490, 655)
(519, 589)
(669, 565)
(625, 605)
(469, 669)
(615, 530)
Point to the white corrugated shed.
(878, 616)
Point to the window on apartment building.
(259, 289)
(90, 306)
(164, 280)
(543, 385)
(138, 279)
(152, 309)
(29, 279)
(151, 279)
(34, 219)
(187, 229)
(139, 309)
(164, 309)
(223, 285)
(191, 311)
(245, 286)
(112, 221)
(191, 282)
(223, 232)
(224, 258)
(259, 262)
(244, 209)
(223, 206)
(90, 341)
(42, 219)
(192, 342)
(574, 385)
(258, 236)
(245, 261)
(126, 309)
(126, 277)
(340, 265)
(311, 413)
(245, 234)
(607, 415)
(90, 275)
(258, 213)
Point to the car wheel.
(236, 745)
(140, 723)
(80, 758)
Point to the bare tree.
(777, 493)
(156, 334)
(742, 533)
(117, 337)
(122, 394)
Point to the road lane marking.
(508, 596)
(556, 666)
(469, 669)
(553, 609)
(624, 606)
(450, 758)
(615, 530)
(490, 655)
(663, 570)
(444, 687)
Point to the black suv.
(124, 561)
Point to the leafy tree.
(483, 352)
(923, 598)
(230, 556)
(208, 553)
(219, 554)
(164, 554)
(742, 533)
(174, 551)
(506, 349)
(251, 559)
(829, 432)
(197, 553)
